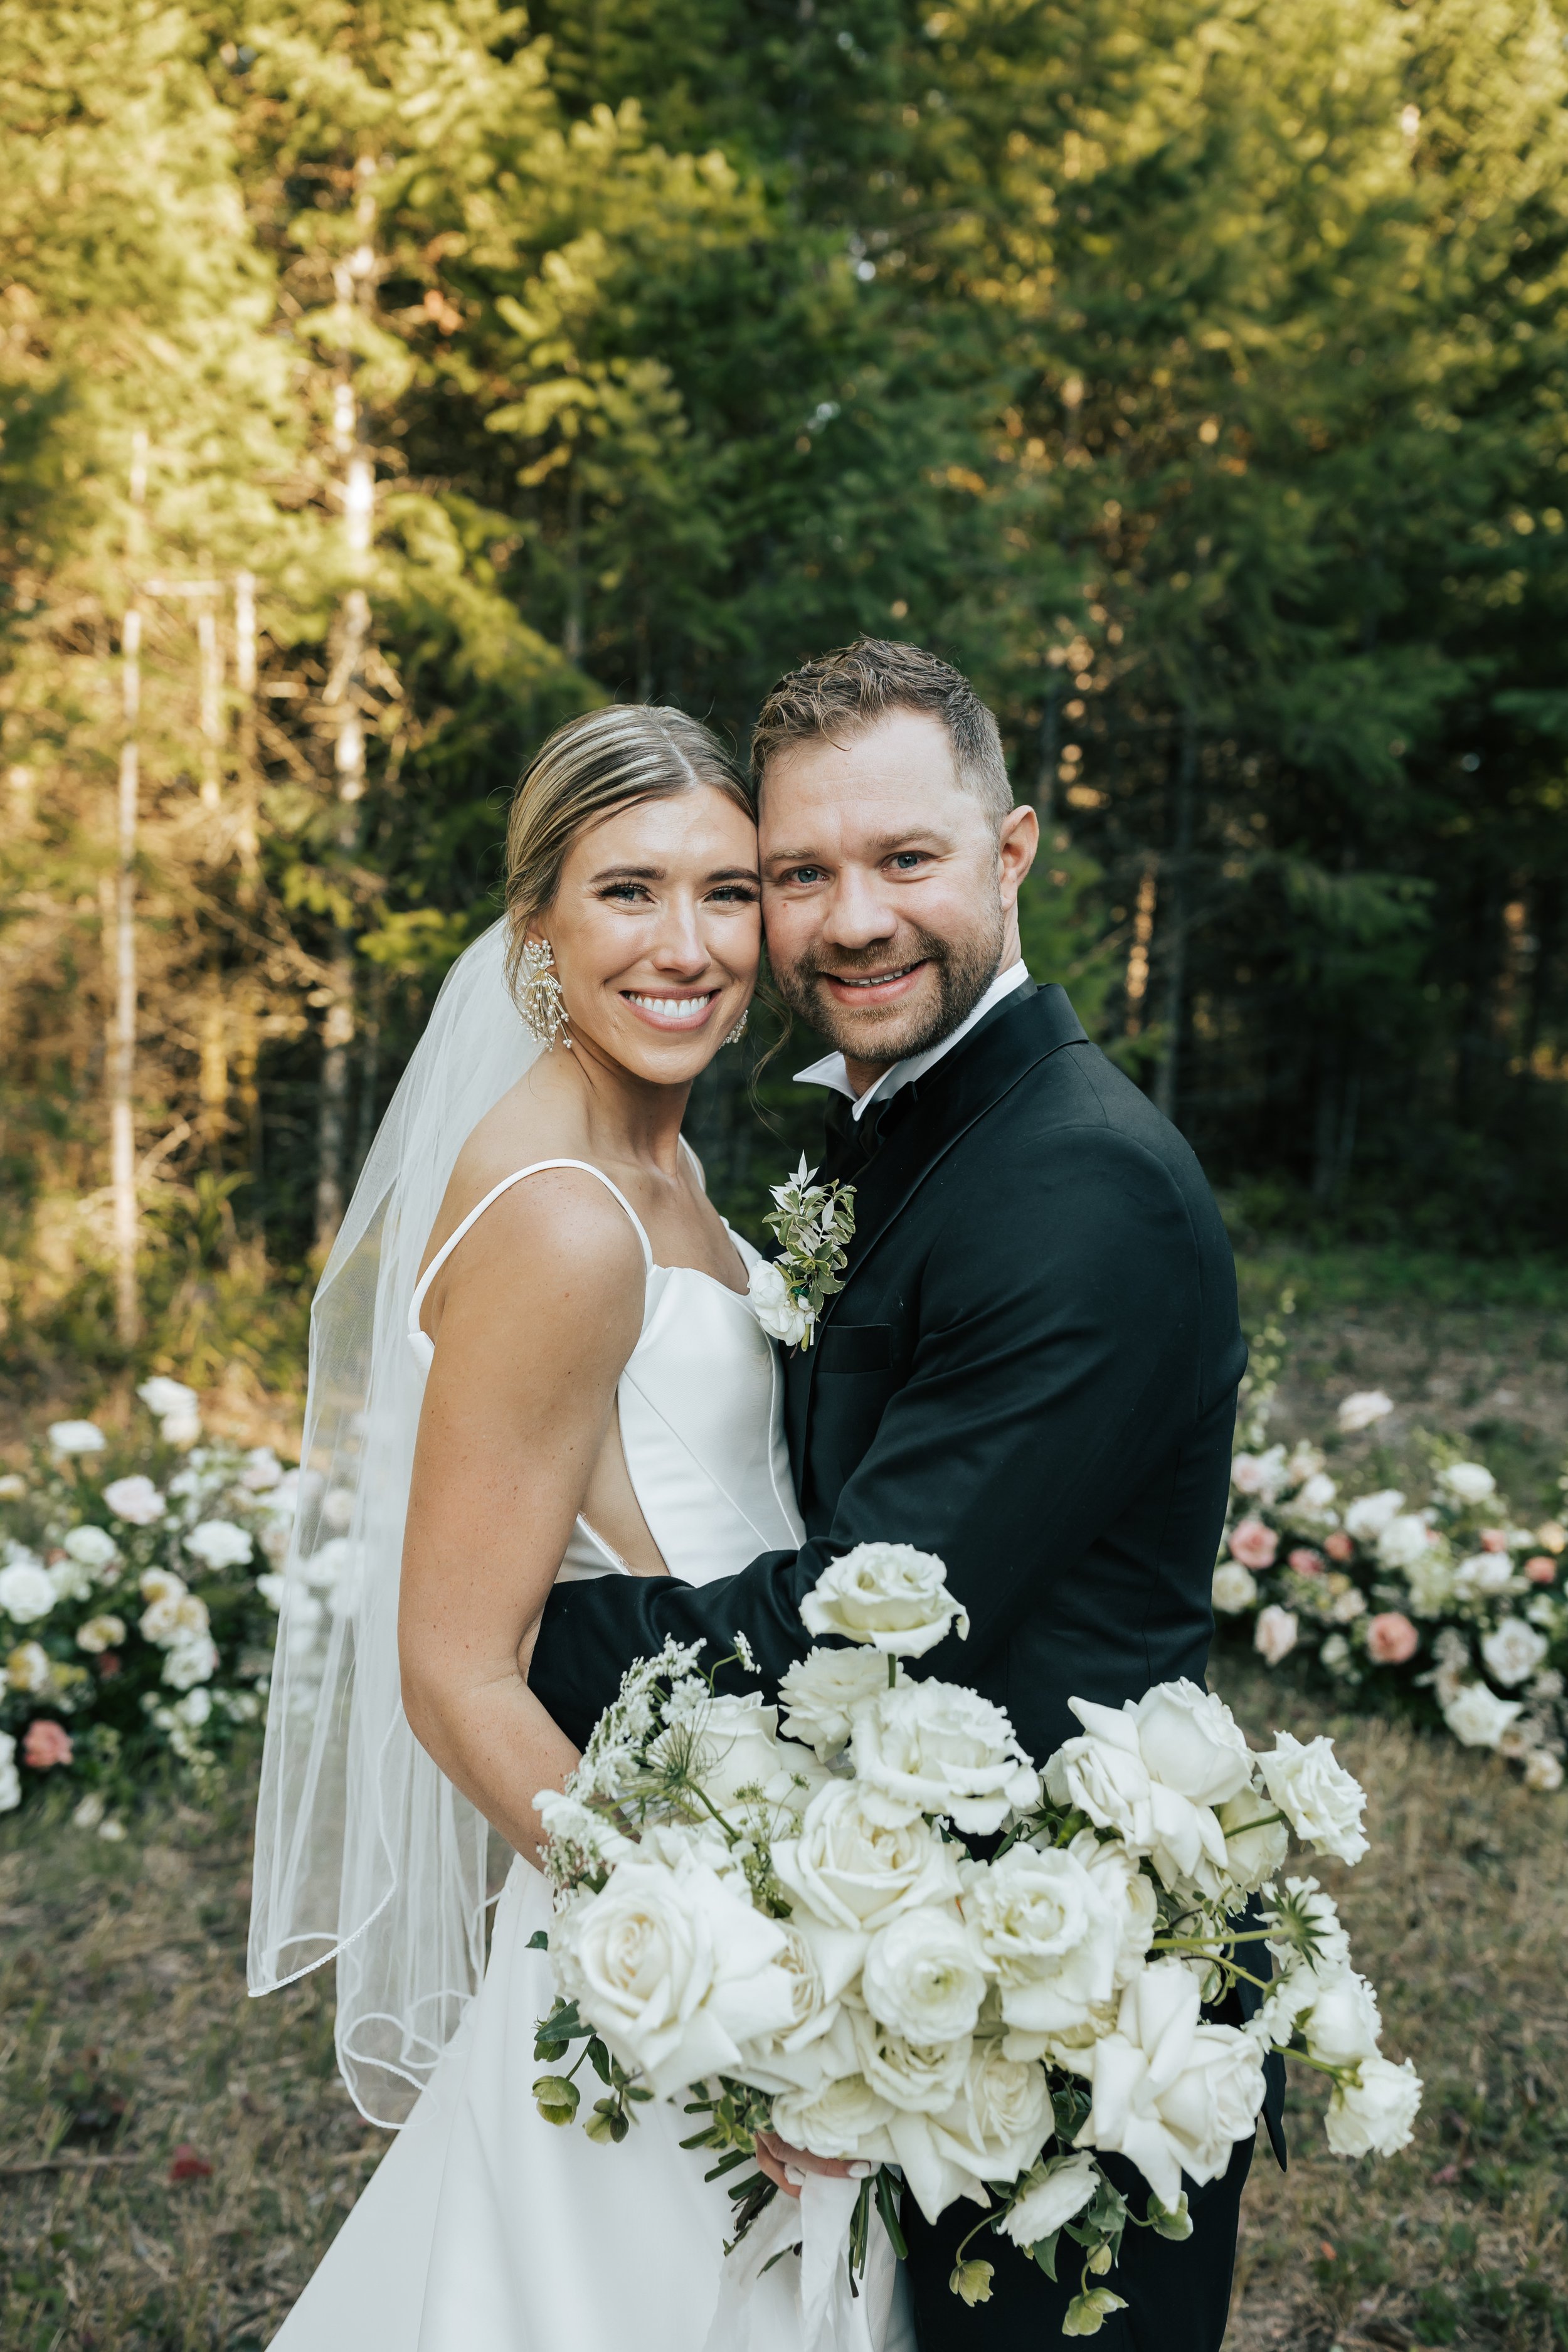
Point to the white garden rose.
(1344, 2026)
(1315, 1496)
(1367, 1517)
(1051, 1937)
(10, 1778)
(1234, 1589)
(821, 1693)
(1053, 2194)
(1431, 1581)
(272, 1590)
(1192, 1743)
(1108, 1776)
(821, 1964)
(1255, 1840)
(916, 2078)
(262, 1470)
(855, 1870)
(843, 2119)
(1262, 1475)
(28, 1669)
(1512, 1650)
(1469, 1482)
(1486, 1573)
(1103, 1773)
(1322, 1802)
(218, 1543)
(135, 1500)
(1170, 2092)
(887, 1594)
(1477, 1717)
(775, 1307)
(26, 1589)
(95, 1547)
(100, 1633)
(162, 1396)
(933, 1748)
(1376, 2115)
(1359, 1411)
(173, 1616)
(1277, 1632)
(1403, 1540)
(192, 1659)
(674, 1968)
(996, 2124)
(69, 1437)
(1135, 1905)
(924, 1976)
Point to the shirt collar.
(830, 1071)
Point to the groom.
(1031, 1369)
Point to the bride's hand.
(779, 2161)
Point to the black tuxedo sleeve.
(1057, 1358)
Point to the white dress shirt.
(831, 1072)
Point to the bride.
(532, 1356)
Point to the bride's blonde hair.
(606, 760)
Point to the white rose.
(1343, 2026)
(1191, 1742)
(1108, 1776)
(1375, 2116)
(1234, 1589)
(924, 1977)
(774, 1305)
(218, 1543)
(916, 2078)
(100, 1633)
(1512, 1650)
(1322, 1802)
(76, 1438)
(1403, 1540)
(1316, 1493)
(1543, 1772)
(1262, 1475)
(1367, 1517)
(27, 1590)
(1130, 1890)
(1050, 1933)
(1052, 2195)
(1468, 1481)
(162, 1396)
(734, 1746)
(845, 2118)
(28, 1669)
(1255, 1840)
(889, 1595)
(93, 1546)
(1169, 2092)
(173, 1616)
(136, 1500)
(674, 1969)
(933, 1748)
(1485, 1572)
(1359, 1411)
(192, 1659)
(1477, 1717)
(996, 2127)
(821, 1964)
(71, 1580)
(821, 1693)
(10, 1778)
(262, 1470)
(1431, 1581)
(1103, 1773)
(1275, 1634)
(856, 1871)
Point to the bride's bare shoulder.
(563, 1215)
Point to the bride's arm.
(540, 1309)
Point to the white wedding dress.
(485, 2229)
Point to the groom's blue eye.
(907, 857)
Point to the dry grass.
(134, 1953)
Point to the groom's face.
(887, 897)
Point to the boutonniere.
(814, 1224)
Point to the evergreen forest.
(382, 383)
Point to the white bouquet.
(784, 1923)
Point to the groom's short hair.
(843, 692)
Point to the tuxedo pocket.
(856, 1347)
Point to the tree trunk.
(1178, 901)
(122, 1037)
(247, 840)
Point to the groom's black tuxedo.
(1031, 1371)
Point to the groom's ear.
(1017, 846)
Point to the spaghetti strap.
(415, 1304)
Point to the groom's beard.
(961, 970)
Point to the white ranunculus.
(1376, 2116)
(1477, 1717)
(1343, 2026)
(28, 1669)
(821, 1693)
(1359, 1411)
(933, 1748)
(27, 1590)
(1322, 1802)
(162, 1396)
(918, 2078)
(674, 1968)
(1469, 1482)
(1367, 1517)
(996, 2127)
(1234, 1589)
(1170, 2092)
(1053, 2195)
(135, 1500)
(1261, 1474)
(1191, 1742)
(95, 1547)
(192, 1659)
(1401, 1542)
(218, 1543)
(1051, 1935)
(924, 1976)
(773, 1304)
(1275, 1634)
(854, 1869)
(10, 1778)
(887, 1594)
(1130, 1890)
(1513, 1650)
(1255, 1840)
(76, 1438)
(844, 2118)
(100, 1633)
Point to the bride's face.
(657, 932)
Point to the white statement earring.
(539, 997)
(739, 1031)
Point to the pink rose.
(1339, 1545)
(1253, 1544)
(1305, 1562)
(1391, 1638)
(1493, 1540)
(47, 1744)
(1540, 1571)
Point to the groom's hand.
(780, 2162)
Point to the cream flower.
(1376, 2115)
(1050, 1934)
(993, 2129)
(100, 1633)
(27, 1590)
(916, 2078)
(782, 1316)
(1135, 1905)
(136, 1500)
(1234, 1589)
(28, 1669)
(218, 1543)
(1255, 1840)
(844, 2118)
(887, 1594)
(854, 1869)
(1052, 2195)
(76, 1438)
(1512, 1650)
(1401, 1543)
(821, 1693)
(1477, 1717)
(94, 1547)
(1169, 2092)
(10, 1778)
(1322, 1802)
(1344, 2026)
(1275, 1634)
(1367, 1517)
(1360, 1410)
(933, 1748)
(1469, 1482)
(924, 1977)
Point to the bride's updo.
(606, 760)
